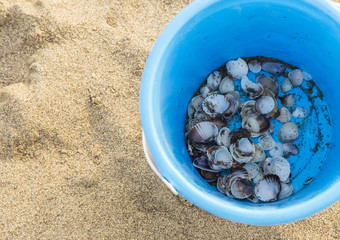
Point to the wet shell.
(214, 80)
(288, 132)
(203, 132)
(253, 90)
(265, 105)
(227, 85)
(306, 76)
(252, 169)
(254, 66)
(284, 115)
(242, 188)
(256, 124)
(296, 77)
(243, 150)
(202, 163)
(237, 68)
(274, 68)
(277, 151)
(269, 83)
(267, 142)
(290, 149)
(215, 105)
(268, 188)
(248, 108)
(286, 190)
(288, 100)
(278, 166)
(286, 86)
(300, 112)
(223, 137)
(260, 155)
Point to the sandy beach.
(71, 158)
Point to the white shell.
(237, 68)
(265, 104)
(284, 115)
(288, 100)
(248, 108)
(243, 150)
(196, 102)
(278, 166)
(254, 66)
(215, 104)
(227, 85)
(203, 132)
(286, 86)
(268, 188)
(267, 142)
(260, 155)
(258, 178)
(300, 112)
(288, 132)
(269, 83)
(290, 149)
(191, 111)
(205, 90)
(286, 190)
(271, 128)
(307, 76)
(252, 169)
(234, 101)
(253, 90)
(296, 77)
(277, 151)
(214, 80)
(256, 124)
(222, 158)
(223, 137)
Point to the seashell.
(214, 80)
(288, 132)
(271, 128)
(288, 100)
(274, 113)
(242, 188)
(286, 190)
(238, 134)
(274, 68)
(223, 137)
(205, 90)
(237, 68)
(253, 90)
(196, 102)
(234, 101)
(258, 177)
(252, 169)
(227, 85)
(209, 176)
(220, 157)
(269, 83)
(215, 105)
(256, 124)
(284, 115)
(299, 112)
(191, 111)
(232, 177)
(248, 108)
(286, 86)
(200, 146)
(268, 188)
(277, 151)
(221, 182)
(265, 104)
(201, 115)
(267, 142)
(290, 149)
(260, 155)
(278, 166)
(296, 77)
(243, 150)
(219, 122)
(253, 198)
(307, 76)
(203, 132)
(202, 163)
(254, 66)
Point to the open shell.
(256, 124)
(274, 68)
(286, 190)
(284, 115)
(203, 132)
(267, 142)
(234, 102)
(290, 149)
(242, 188)
(252, 169)
(268, 188)
(288, 132)
(248, 108)
(253, 90)
(227, 85)
(215, 105)
(254, 66)
(269, 83)
(202, 163)
(219, 156)
(259, 155)
(232, 177)
(223, 137)
(277, 151)
(237, 68)
(243, 150)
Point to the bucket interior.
(293, 31)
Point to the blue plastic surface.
(305, 33)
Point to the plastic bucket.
(305, 33)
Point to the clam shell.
(227, 85)
(286, 86)
(242, 188)
(277, 151)
(234, 101)
(205, 90)
(191, 111)
(268, 188)
(258, 177)
(219, 122)
(220, 157)
(284, 115)
(288, 100)
(243, 150)
(278, 166)
(201, 115)
(252, 169)
(260, 155)
(296, 77)
(288, 132)
(267, 142)
(269, 83)
(196, 102)
(203, 132)
(307, 76)
(290, 149)
(253, 198)
(286, 190)
(202, 163)
(238, 134)
(223, 137)
(253, 90)
(274, 68)
(221, 181)
(271, 128)
(256, 124)
(274, 113)
(237, 68)
(209, 176)
(254, 66)
(265, 105)
(232, 177)
(248, 108)
(299, 112)
(215, 105)
(214, 80)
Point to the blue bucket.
(304, 33)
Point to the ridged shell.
(227, 85)
(299, 112)
(203, 132)
(267, 142)
(237, 68)
(265, 105)
(268, 188)
(252, 169)
(288, 132)
(253, 90)
(286, 86)
(254, 66)
(258, 177)
(284, 115)
(278, 166)
(215, 105)
(274, 68)
(296, 77)
(288, 100)
(286, 190)
(232, 177)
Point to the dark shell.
(242, 188)
(202, 163)
(290, 149)
(203, 132)
(209, 176)
(274, 68)
(238, 134)
(269, 83)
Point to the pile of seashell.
(230, 159)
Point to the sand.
(71, 159)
